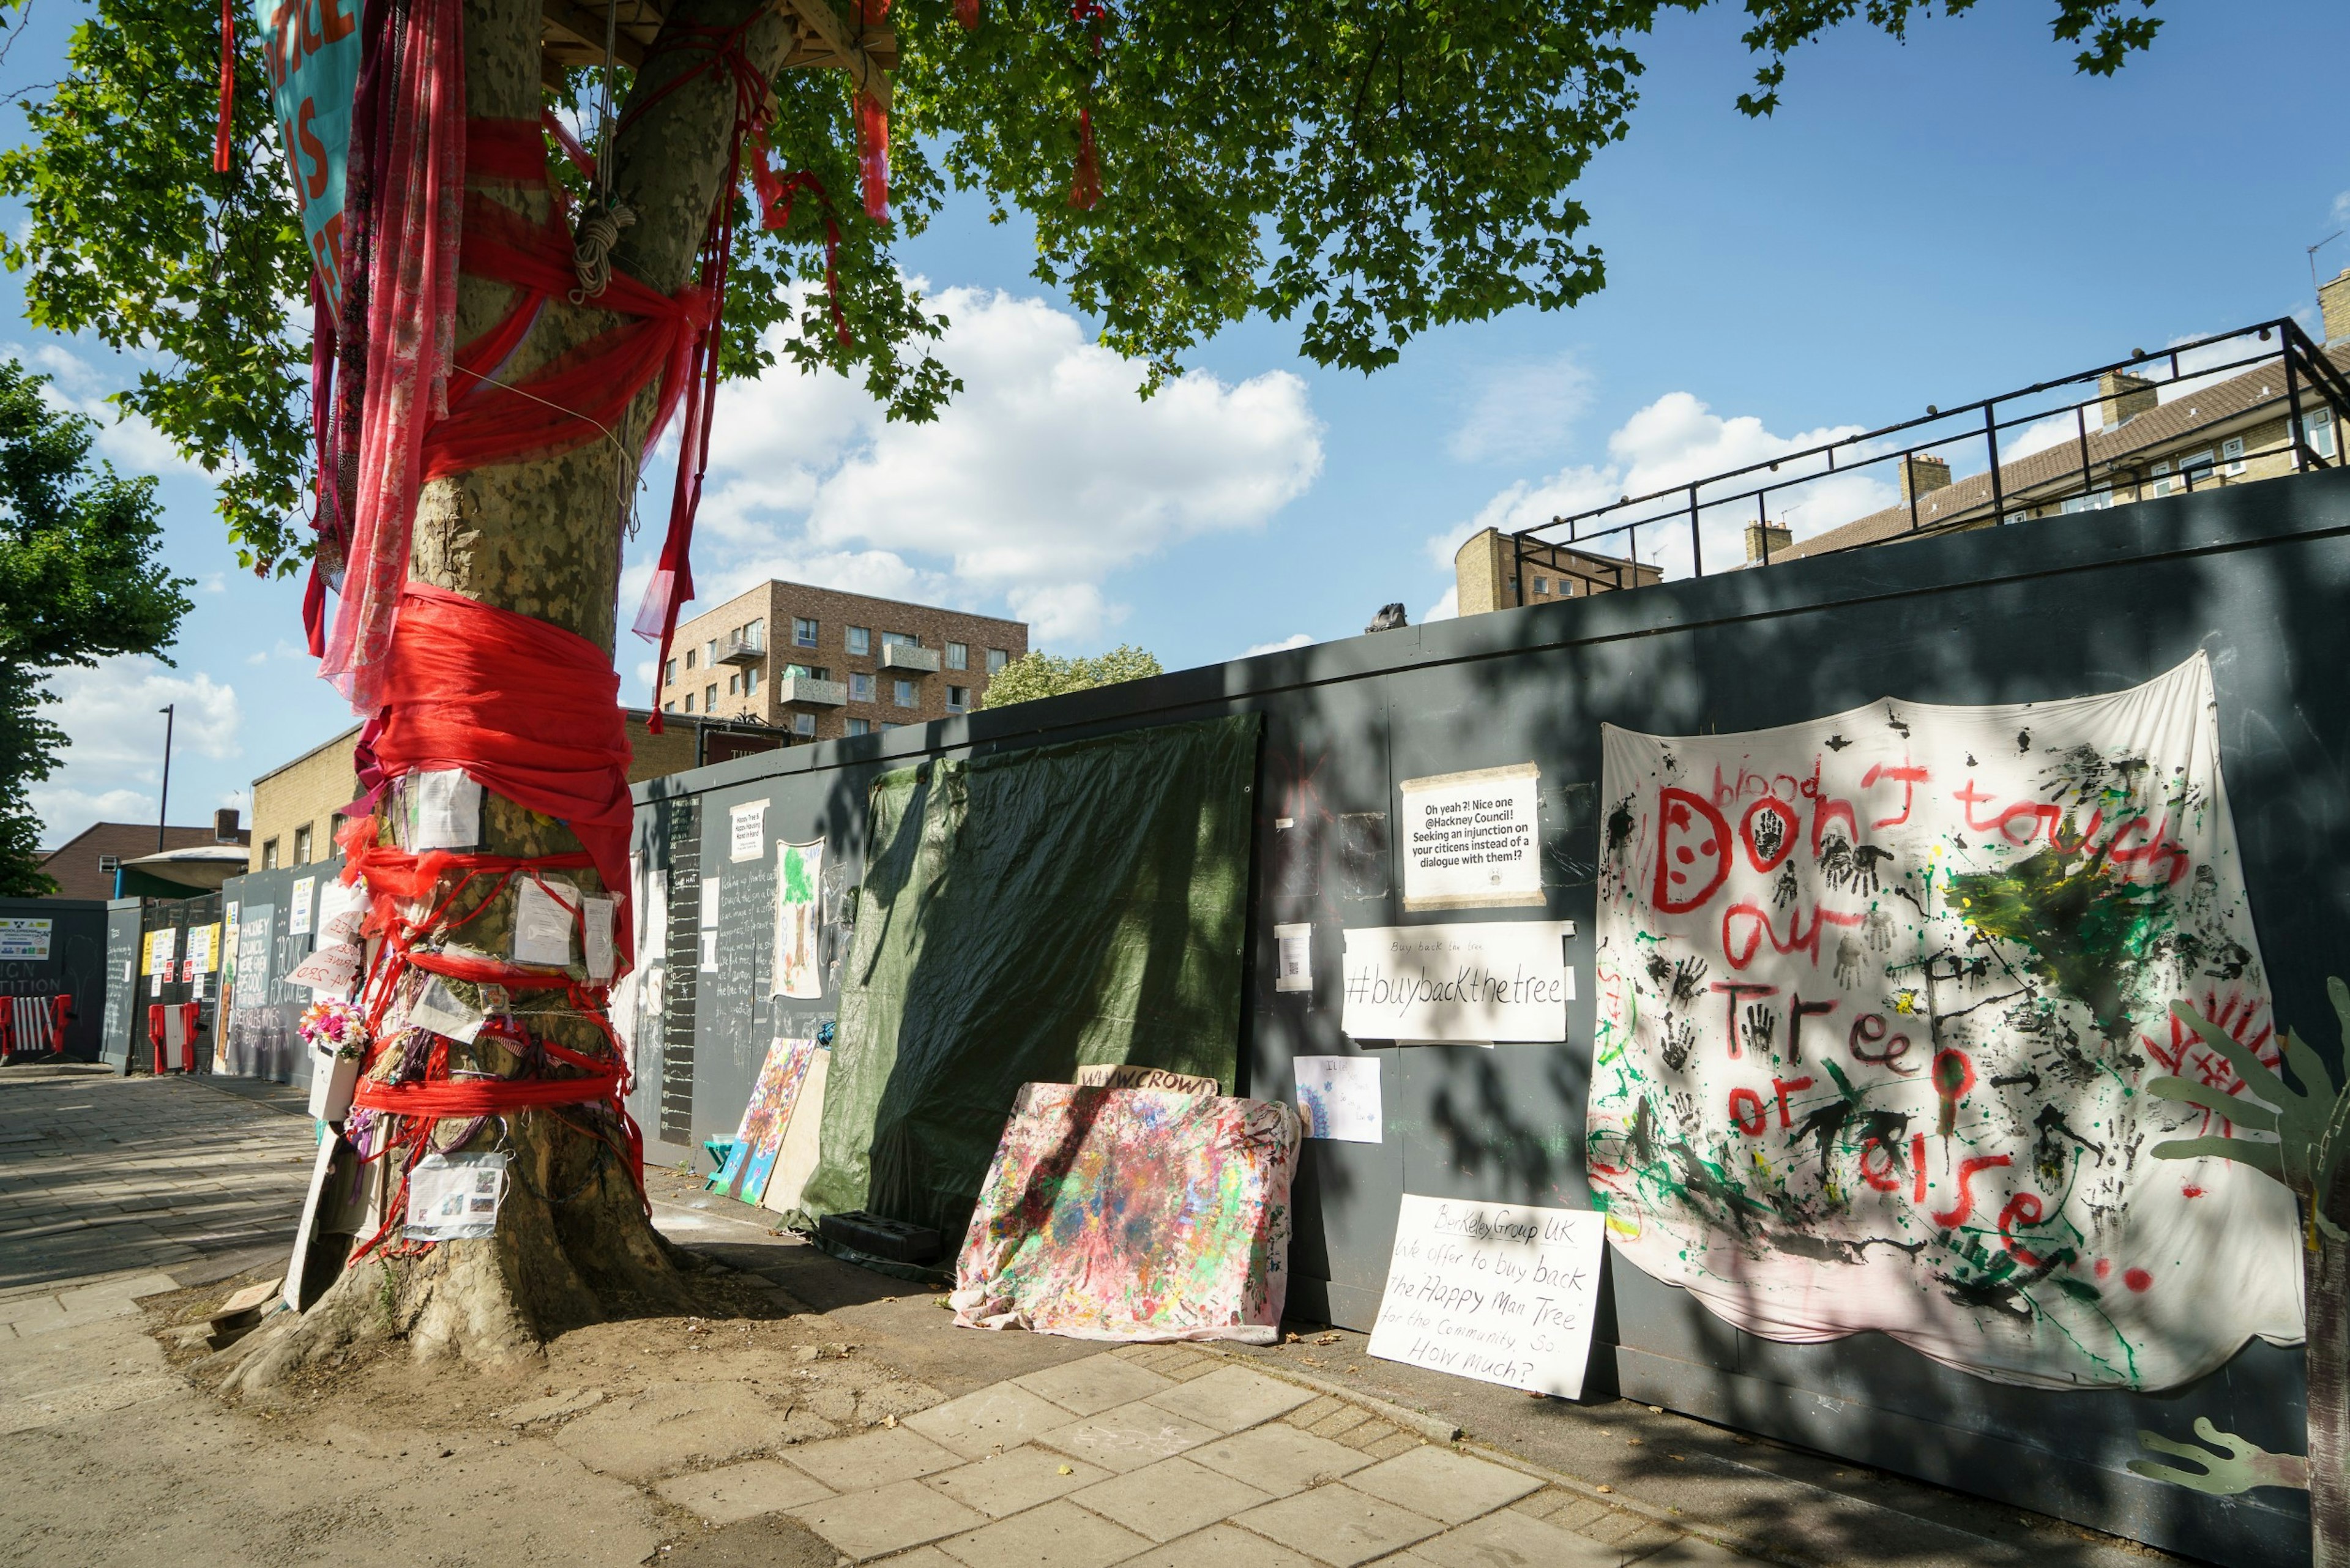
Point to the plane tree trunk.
(543, 539)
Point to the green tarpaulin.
(1021, 916)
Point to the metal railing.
(2311, 382)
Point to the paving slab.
(741, 1492)
(873, 1458)
(1278, 1460)
(1098, 1383)
(887, 1519)
(1222, 1546)
(669, 1426)
(1337, 1525)
(1444, 1485)
(1513, 1540)
(1130, 1436)
(1001, 1484)
(1056, 1535)
(1171, 1498)
(1232, 1397)
(1003, 1417)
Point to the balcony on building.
(747, 646)
(910, 656)
(808, 691)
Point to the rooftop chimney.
(225, 822)
(1920, 472)
(1764, 540)
(2122, 398)
(2334, 303)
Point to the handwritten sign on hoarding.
(1500, 1292)
(1471, 984)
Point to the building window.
(958, 699)
(803, 632)
(860, 726)
(804, 724)
(669, 673)
(302, 845)
(733, 684)
(2317, 431)
(689, 659)
(958, 656)
(334, 832)
(900, 639)
(2163, 483)
(2232, 451)
(688, 701)
(710, 698)
(1542, 585)
(710, 652)
(269, 855)
(861, 639)
(755, 632)
(904, 694)
(860, 687)
(751, 682)
(669, 706)
(2096, 500)
(996, 660)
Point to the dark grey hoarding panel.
(2253, 575)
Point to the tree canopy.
(1367, 169)
(1035, 675)
(79, 579)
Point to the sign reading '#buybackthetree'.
(1879, 999)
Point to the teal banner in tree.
(312, 51)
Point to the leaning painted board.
(1879, 996)
(1133, 1214)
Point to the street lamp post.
(163, 811)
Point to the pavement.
(854, 1425)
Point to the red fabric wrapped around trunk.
(528, 709)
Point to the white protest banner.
(1879, 996)
(1500, 1292)
(444, 810)
(1472, 840)
(1469, 983)
(748, 830)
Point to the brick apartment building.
(820, 664)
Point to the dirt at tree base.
(640, 1400)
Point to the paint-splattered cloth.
(1879, 999)
(1133, 1214)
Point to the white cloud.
(1446, 608)
(1675, 441)
(1521, 411)
(2342, 208)
(113, 764)
(1044, 476)
(127, 440)
(1295, 639)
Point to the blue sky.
(1927, 223)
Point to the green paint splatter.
(2090, 931)
(797, 888)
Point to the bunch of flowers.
(336, 1026)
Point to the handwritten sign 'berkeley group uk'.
(1495, 1291)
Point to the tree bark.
(2326, 1279)
(543, 539)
